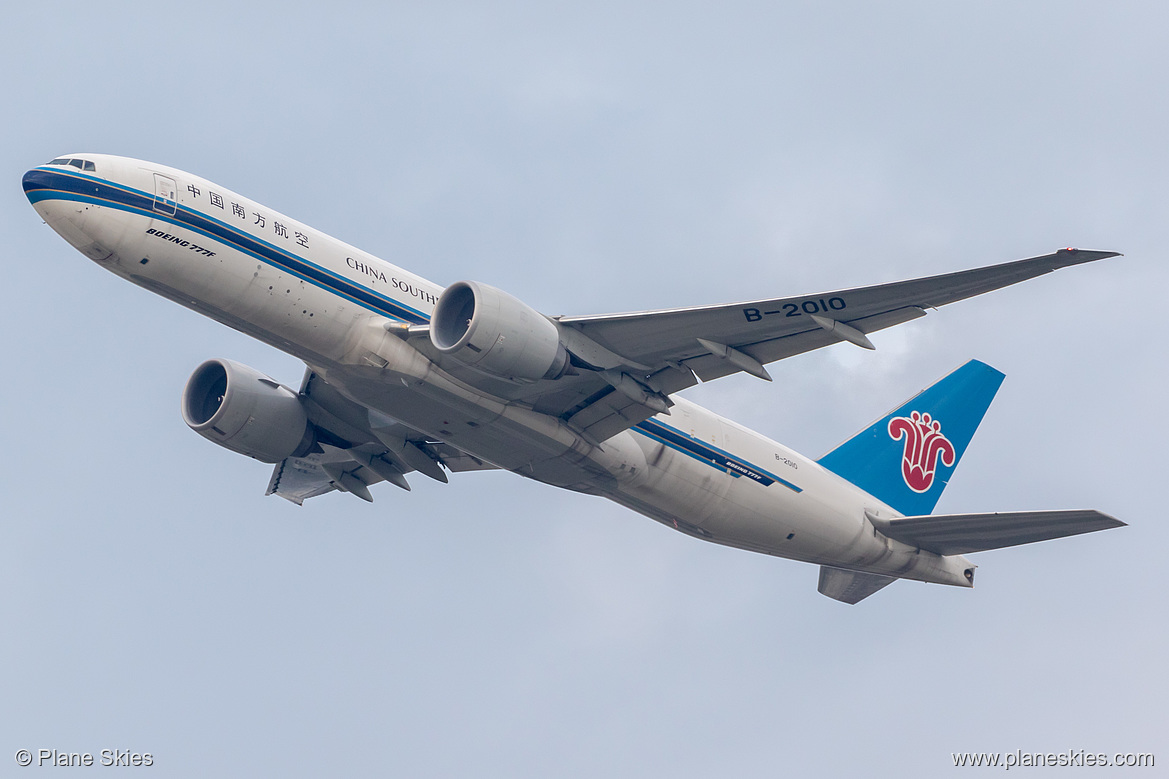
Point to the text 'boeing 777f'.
(405, 376)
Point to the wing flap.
(709, 367)
(609, 414)
(950, 534)
(456, 460)
(297, 479)
(358, 447)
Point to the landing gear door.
(165, 195)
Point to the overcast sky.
(627, 156)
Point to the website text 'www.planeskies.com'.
(1070, 758)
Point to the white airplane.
(403, 375)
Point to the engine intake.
(245, 411)
(490, 330)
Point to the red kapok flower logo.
(924, 446)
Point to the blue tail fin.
(906, 458)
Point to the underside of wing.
(299, 478)
(356, 447)
(950, 534)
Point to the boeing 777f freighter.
(405, 376)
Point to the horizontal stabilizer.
(850, 586)
(949, 534)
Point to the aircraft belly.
(683, 487)
(800, 526)
(511, 437)
(238, 291)
(738, 512)
(812, 518)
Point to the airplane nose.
(65, 214)
(35, 182)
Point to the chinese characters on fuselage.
(279, 230)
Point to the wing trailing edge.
(370, 448)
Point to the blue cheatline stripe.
(706, 453)
(59, 185)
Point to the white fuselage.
(326, 302)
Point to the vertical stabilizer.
(906, 458)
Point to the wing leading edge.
(767, 330)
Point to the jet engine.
(243, 410)
(492, 331)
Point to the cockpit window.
(79, 164)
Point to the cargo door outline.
(166, 193)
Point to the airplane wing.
(769, 330)
(357, 447)
(639, 359)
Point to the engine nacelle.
(490, 330)
(243, 410)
